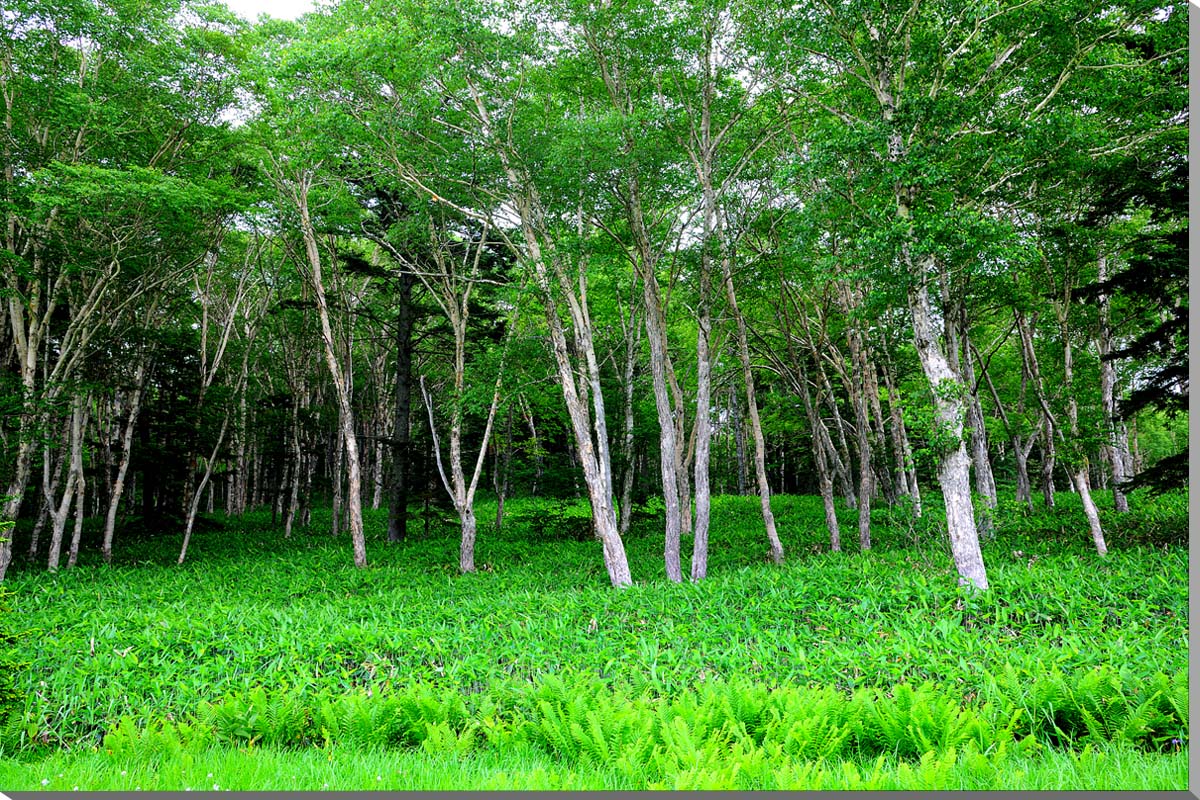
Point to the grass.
(149, 640)
(345, 769)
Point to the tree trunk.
(401, 433)
(856, 386)
(739, 435)
(906, 469)
(703, 426)
(73, 480)
(293, 468)
(501, 469)
(669, 449)
(633, 339)
(1020, 447)
(760, 447)
(1033, 374)
(1116, 446)
(954, 467)
(194, 504)
(985, 482)
(1079, 474)
(80, 489)
(118, 487)
(335, 477)
(345, 411)
(824, 477)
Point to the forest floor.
(265, 663)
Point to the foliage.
(11, 695)
(145, 638)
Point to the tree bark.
(500, 468)
(760, 447)
(954, 467)
(345, 412)
(73, 481)
(1079, 465)
(824, 476)
(1116, 446)
(118, 487)
(401, 434)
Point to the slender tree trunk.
(985, 483)
(760, 447)
(501, 469)
(337, 484)
(703, 427)
(1020, 447)
(73, 480)
(633, 339)
(739, 435)
(906, 471)
(539, 457)
(377, 468)
(293, 468)
(80, 490)
(856, 385)
(194, 505)
(345, 411)
(1079, 467)
(51, 474)
(401, 436)
(840, 454)
(1116, 446)
(656, 334)
(1033, 374)
(118, 487)
(824, 476)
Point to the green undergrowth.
(574, 731)
(1067, 648)
(220, 767)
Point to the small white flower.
(45, 781)
(122, 772)
(210, 774)
(216, 788)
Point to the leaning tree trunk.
(824, 478)
(985, 481)
(760, 446)
(118, 486)
(74, 481)
(1079, 463)
(1033, 373)
(1021, 448)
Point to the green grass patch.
(281, 645)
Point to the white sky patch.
(280, 9)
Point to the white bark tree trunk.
(118, 487)
(954, 467)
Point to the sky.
(281, 9)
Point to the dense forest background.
(907, 255)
